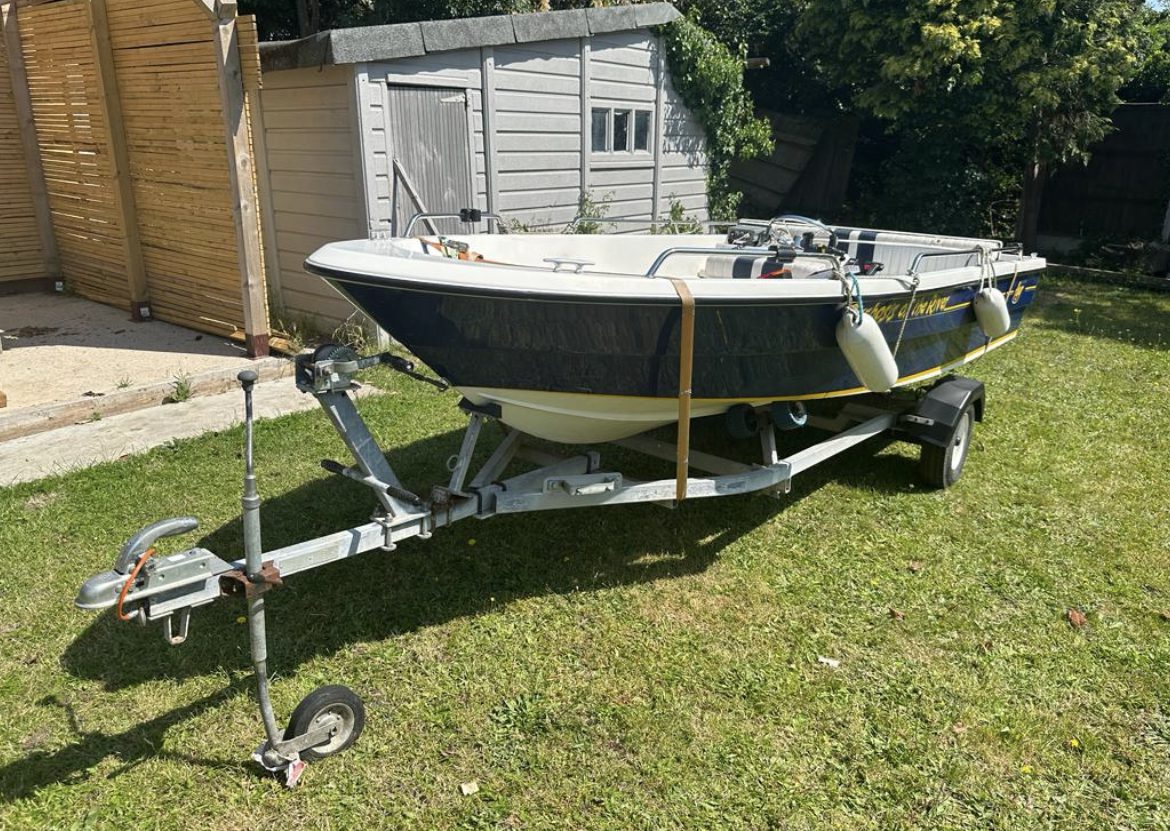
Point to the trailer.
(150, 587)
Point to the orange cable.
(130, 582)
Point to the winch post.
(253, 569)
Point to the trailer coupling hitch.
(330, 369)
(144, 587)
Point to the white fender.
(866, 351)
(992, 312)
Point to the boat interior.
(750, 249)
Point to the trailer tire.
(329, 700)
(942, 466)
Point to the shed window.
(642, 130)
(601, 131)
(620, 130)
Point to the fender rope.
(686, 365)
(906, 317)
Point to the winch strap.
(686, 365)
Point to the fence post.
(240, 167)
(107, 93)
(28, 139)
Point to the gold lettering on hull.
(887, 312)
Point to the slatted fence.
(19, 238)
(1121, 193)
(74, 143)
(149, 190)
(173, 123)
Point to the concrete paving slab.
(29, 420)
(60, 348)
(81, 445)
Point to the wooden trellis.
(132, 119)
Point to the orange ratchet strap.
(686, 365)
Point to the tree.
(765, 28)
(1041, 75)
(1152, 82)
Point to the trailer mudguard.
(934, 419)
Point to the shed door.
(430, 151)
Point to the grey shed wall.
(311, 185)
(529, 119)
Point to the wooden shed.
(517, 114)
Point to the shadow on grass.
(73, 763)
(422, 583)
(1124, 314)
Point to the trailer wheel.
(333, 700)
(942, 466)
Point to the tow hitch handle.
(137, 545)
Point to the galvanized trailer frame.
(166, 589)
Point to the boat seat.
(744, 268)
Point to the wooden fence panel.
(20, 242)
(807, 171)
(75, 154)
(165, 64)
(130, 127)
(1121, 194)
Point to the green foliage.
(299, 331)
(1015, 87)
(180, 389)
(764, 28)
(1108, 252)
(354, 332)
(934, 181)
(678, 221)
(1152, 82)
(406, 11)
(1042, 72)
(589, 214)
(709, 77)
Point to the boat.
(579, 338)
(583, 339)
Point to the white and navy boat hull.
(588, 358)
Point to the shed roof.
(405, 40)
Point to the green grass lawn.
(632, 667)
